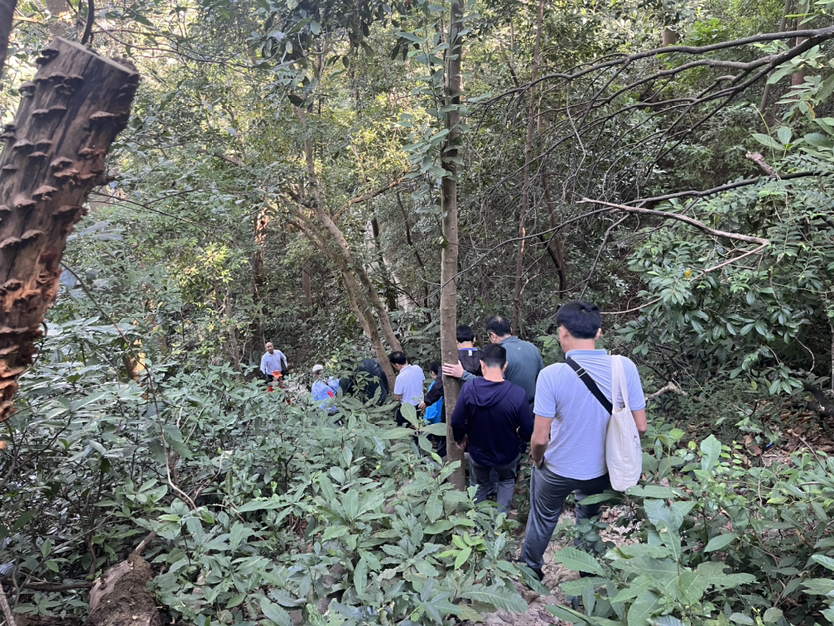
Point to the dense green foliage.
(279, 151)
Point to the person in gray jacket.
(524, 361)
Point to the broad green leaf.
(399, 432)
(644, 607)
(495, 595)
(434, 508)
(438, 527)
(275, 613)
(438, 429)
(720, 541)
(772, 615)
(666, 620)
(463, 557)
(711, 450)
(656, 569)
(578, 561)
(825, 561)
(784, 134)
(654, 491)
(238, 533)
(360, 577)
(768, 141)
(741, 618)
(569, 615)
(261, 505)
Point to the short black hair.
(435, 367)
(581, 319)
(465, 333)
(494, 355)
(398, 358)
(499, 325)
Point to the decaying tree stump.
(121, 596)
(53, 156)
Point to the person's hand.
(422, 406)
(463, 444)
(453, 370)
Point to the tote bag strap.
(585, 377)
(618, 381)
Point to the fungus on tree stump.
(76, 105)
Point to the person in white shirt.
(273, 361)
(408, 388)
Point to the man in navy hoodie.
(492, 418)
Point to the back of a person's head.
(398, 358)
(494, 355)
(435, 368)
(499, 325)
(581, 319)
(465, 333)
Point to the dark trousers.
(547, 496)
(499, 480)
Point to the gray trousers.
(499, 480)
(547, 495)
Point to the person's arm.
(263, 366)
(459, 422)
(641, 421)
(525, 427)
(540, 439)
(455, 370)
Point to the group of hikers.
(509, 399)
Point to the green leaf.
(784, 134)
(772, 615)
(578, 561)
(720, 541)
(438, 429)
(261, 505)
(768, 141)
(711, 450)
(643, 608)
(495, 595)
(438, 527)
(569, 615)
(275, 613)
(666, 620)
(434, 507)
(825, 561)
(238, 533)
(462, 557)
(399, 432)
(741, 618)
(360, 577)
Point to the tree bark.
(449, 254)
(528, 164)
(338, 237)
(6, 16)
(54, 155)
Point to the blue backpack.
(434, 412)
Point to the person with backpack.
(568, 443)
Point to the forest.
(184, 181)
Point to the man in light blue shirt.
(568, 443)
(273, 361)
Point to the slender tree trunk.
(54, 155)
(669, 37)
(525, 190)
(6, 16)
(449, 254)
(338, 237)
(555, 244)
(307, 287)
(261, 224)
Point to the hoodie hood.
(485, 393)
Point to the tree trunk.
(121, 596)
(54, 155)
(449, 253)
(669, 37)
(6, 17)
(338, 237)
(525, 190)
(307, 288)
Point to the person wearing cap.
(273, 361)
(324, 391)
